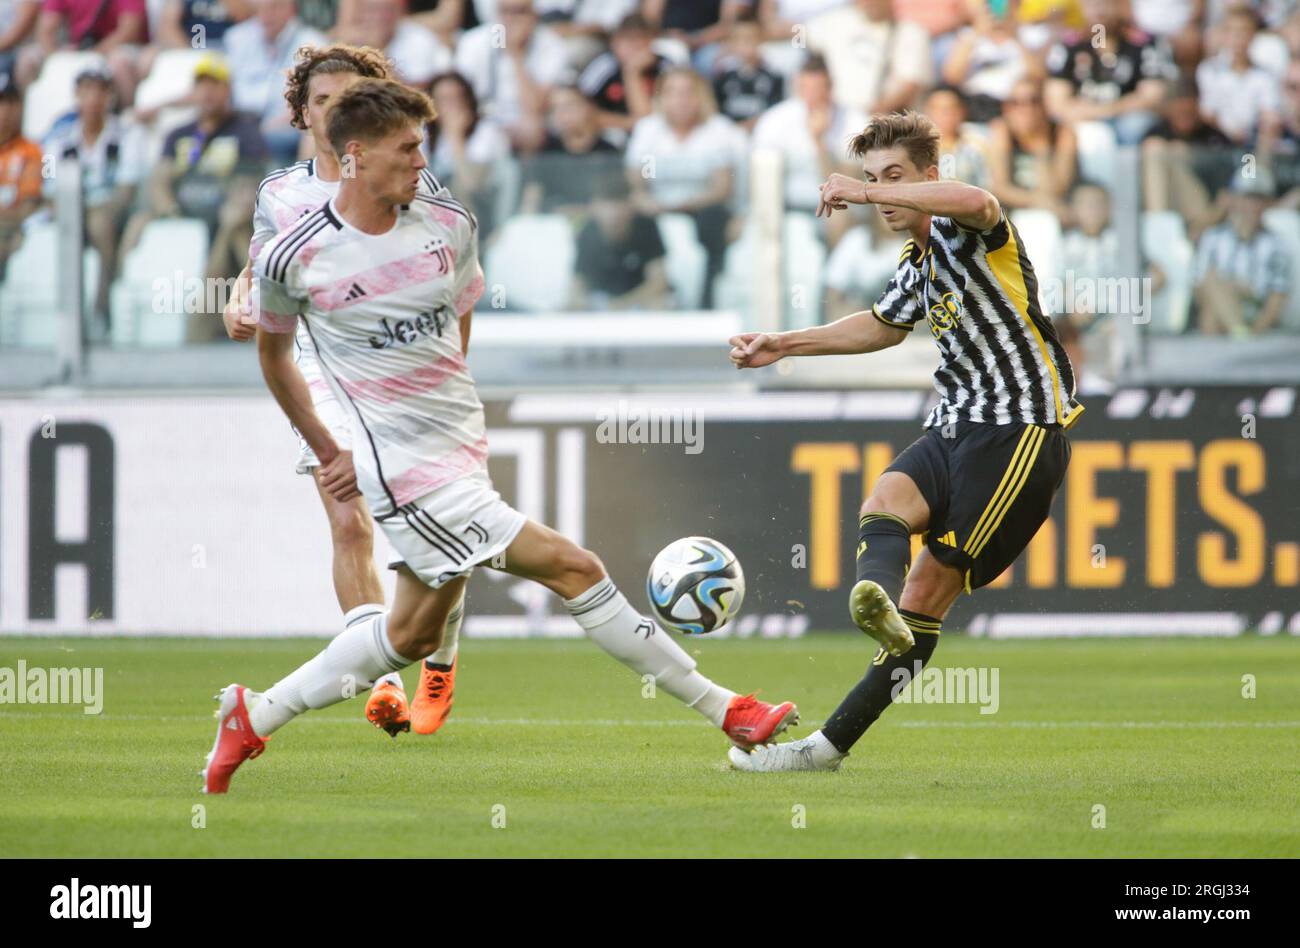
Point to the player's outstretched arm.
(968, 205)
(275, 353)
(238, 317)
(851, 335)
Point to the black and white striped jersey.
(1002, 360)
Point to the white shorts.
(448, 532)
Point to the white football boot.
(810, 753)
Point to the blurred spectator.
(445, 18)
(701, 24)
(744, 87)
(1044, 23)
(116, 29)
(942, 19)
(1113, 73)
(260, 51)
(986, 61)
(620, 261)
(784, 20)
(621, 81)
(512, 83)
(209, 170)
(1185, 160)
(109, 154)
(198, 24)
(17, 26)
(575, 155)
(463, 147)
(1243, 273)
(1239, 99)
(326, 16)
(416, 52)
(811, 133)
(1032, 159)
(584, 24)
(963, 155)
(20, 171)
(1177, 22)
(1090, 248)
(682, 159)
(878, 64)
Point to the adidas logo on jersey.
(356, 292)
(949, 539)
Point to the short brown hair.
(911, 131)
(370, 109)
(364, 61)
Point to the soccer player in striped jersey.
(980, 481)
(283, 198)
(383, 278)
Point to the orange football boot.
(433, 698)
(386, 708)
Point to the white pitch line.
(628, 722)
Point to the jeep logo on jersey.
(402, 331)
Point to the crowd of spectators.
(615, 112)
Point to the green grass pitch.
(1156, 732)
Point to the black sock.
(884, 551)
(874, 693)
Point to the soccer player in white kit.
(381, 277)
(284, 196)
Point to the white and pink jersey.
(284, 197)
(382, 312)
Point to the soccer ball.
(695, 585)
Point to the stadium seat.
(532, 280)
(167, 248)
(29, 296)
(804, 256)
(686, 259)
(1040, 232)
(805, 259)
(52, 93)
(1286, 224)
(1165, 244)
(171, 76)
(1097, 152)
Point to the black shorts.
(989, 487)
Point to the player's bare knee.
(350, 527)
(579, 570)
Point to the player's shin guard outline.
(610, 621)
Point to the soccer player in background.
(318, 76)
(383, 277)
(980, 481)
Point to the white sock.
(345, 668)
(446, 653)
(365, 611)
(610, 622)
(823, 750)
